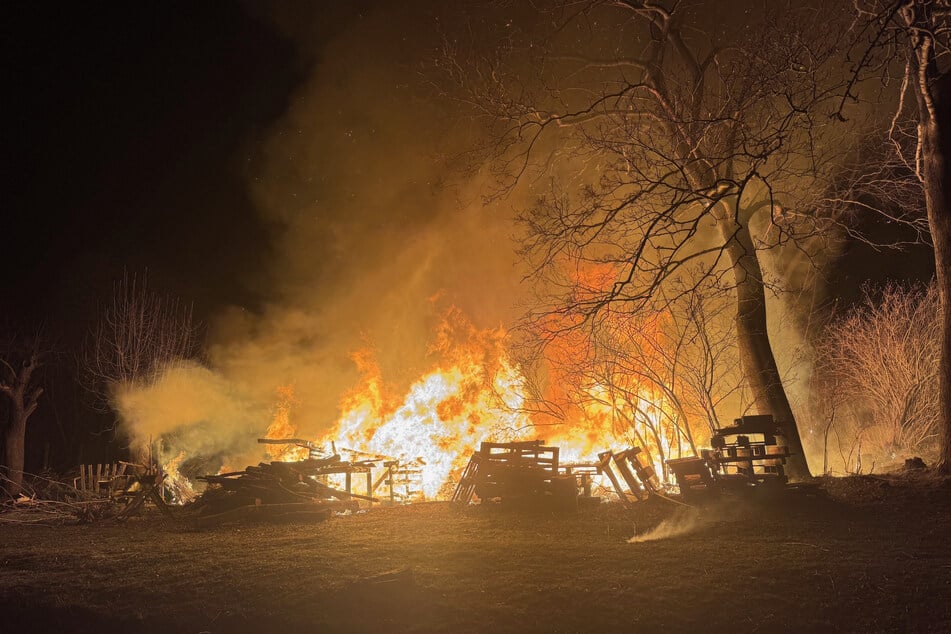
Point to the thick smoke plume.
(374, 236)
(371, 244)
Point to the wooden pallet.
(467, 483)
(636, 472)
(515, 471)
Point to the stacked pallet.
(516, 472)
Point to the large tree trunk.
(933, 95)
(755, 350)
(934, 136)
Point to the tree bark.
(14, 452)
(755, 350)
(23, 402)
(934, 135)
(932, 90)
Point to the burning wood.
(283, 487)
(636, 470)
(529, 469)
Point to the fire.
(474, 393)
(281, 427)
(176, 485)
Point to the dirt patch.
(861, 558)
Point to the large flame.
(474, 392)
(281, 427)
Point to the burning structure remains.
(527, 474)
(414, 441)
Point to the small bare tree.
(877, 372)
(138, 334)
(656, 377)
(19, 364)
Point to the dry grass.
(872, 555)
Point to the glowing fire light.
(281, 427)
(177, 485)
(474, 392)
(474, 395)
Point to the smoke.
(680, 524)
(190, 406)
(372, 238)
(371, 242)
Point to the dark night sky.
(128, 126)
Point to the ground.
(859, 555)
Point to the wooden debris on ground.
(104, 492)
(104, 479)
(281, 491)
(638, 479)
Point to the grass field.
(861, 555)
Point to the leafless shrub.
(659, 376)
(877, 376)
(138, 334)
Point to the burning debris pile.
(302, 489)
(749, 453)
(275, 490)
(414, 439)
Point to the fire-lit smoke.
(380, 322)
(189, 408)
(372, 244)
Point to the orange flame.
(473, 393)
(281, 427)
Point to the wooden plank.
(466, 484)
(522, 444)
(605, 464)
(623, 467)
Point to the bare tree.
(919, 32)
(877, 370)
(19, 364)
(138, 334)
(673, 137)
(654, 378)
